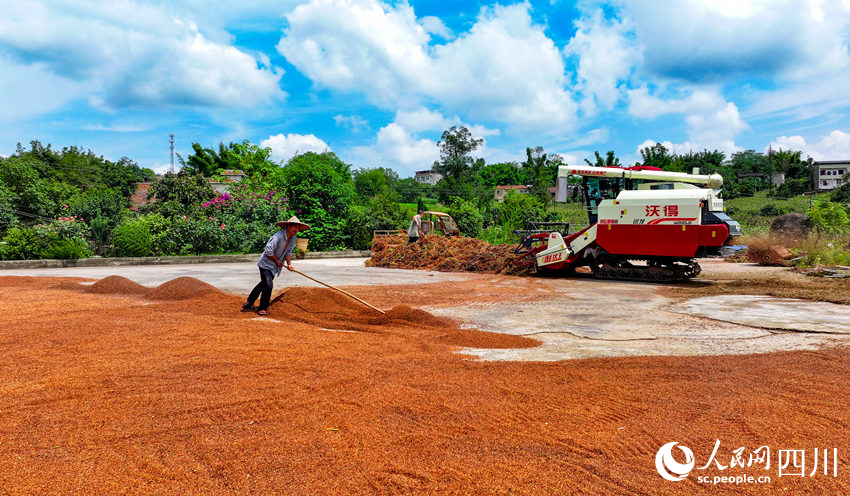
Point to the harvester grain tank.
(644, 224)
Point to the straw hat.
(292, 221)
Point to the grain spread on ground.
(104, 395)
(443, 253)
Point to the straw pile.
(444, 254)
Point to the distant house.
(502, 191)
(427, 177)
(830, 174)
(228, 177)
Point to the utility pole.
(171, 142)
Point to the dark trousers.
(412, 239)
(264, 287)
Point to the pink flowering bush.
(241, 205)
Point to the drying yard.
(152, 380)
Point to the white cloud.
(715, 39)
(712, 122)
(31, 90)
(133, 54)
(434, 25)
(285, 147)
(115, 128)
(834, 146)
(423, 119)
(353, 122)
(605, 59)
(504, 68)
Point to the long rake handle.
(340, 290)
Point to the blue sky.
(377, 82)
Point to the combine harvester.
(640, 214)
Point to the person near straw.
(415, 230)
(276, 255)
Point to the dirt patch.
(444, 254)
(117, 285)
(783, 285)
(145, 401)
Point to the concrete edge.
(197, 259)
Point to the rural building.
(427, 177)
(830, 174)
(502, 191)
(228, 177)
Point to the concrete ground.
(575, 317)
(239, 278)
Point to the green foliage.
(467, 216)
(241, 205)
(178, 194)
(379, 213)
(8, 218)
(370, 182)
(748, 210)
(100, 232)
(67, 248)
(108, 203)
(609, 161)
(793, 187)
(657, 156)
(132, 238)
(23, 243)
(501, 174)
(829, 217)
(455, 146)
(517, 209)
(410, 190)
(540, 172)
(420, 205)
(841, 194)
(320, 191)
(26, 191)
(247, 157)
(773, 210)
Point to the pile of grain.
(117, 285)
(444, 254)
(183, 288)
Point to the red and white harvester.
(644, 224)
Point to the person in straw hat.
(278, 252)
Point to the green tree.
(501, 174)
(370, 182)
(320, 191)
(609, 161)
(177, 194)
(409, 190)
(540, 172)
(467, 216)
(829, 217)
(656, 156)
(455, 146)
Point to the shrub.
(842, 193)
(467, 216)
(517, 209)
(829, 217)
(773, 210)
(67, 248)
(380, 212)
(320, 191)
(24, 243)
(132, 238)
(241, 205)
(198, 236)
(97, 201)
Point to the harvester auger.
(645, 224)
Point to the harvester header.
(713, 181)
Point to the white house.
(830, 174)
(427, 177)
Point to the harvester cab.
(643, 224)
